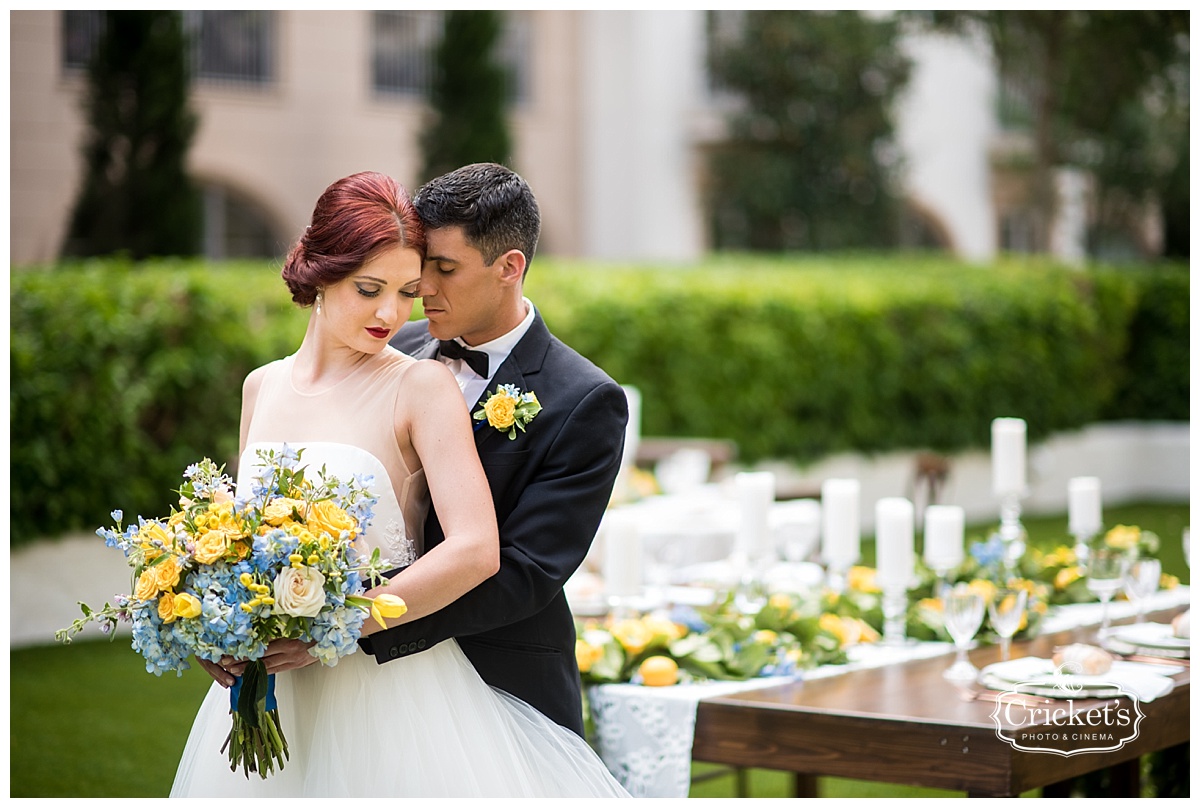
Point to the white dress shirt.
(471, 383)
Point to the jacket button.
(420, 643)
(393, 652)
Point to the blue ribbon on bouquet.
(259, 688)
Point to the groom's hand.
(286, 655)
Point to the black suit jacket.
(550, 486)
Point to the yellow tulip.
(387, 606)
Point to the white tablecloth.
(644, 734)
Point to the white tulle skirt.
(424, 725)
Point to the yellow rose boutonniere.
(508, 409)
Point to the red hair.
(354, 218)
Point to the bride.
(425, 724)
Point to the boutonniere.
(508, 409)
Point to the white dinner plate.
(1150, 635)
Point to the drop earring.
(319, 296)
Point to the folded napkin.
(1147, 681)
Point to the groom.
(550, 482)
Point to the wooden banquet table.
(905, 724)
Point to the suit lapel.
(520, 369)
(427, 351)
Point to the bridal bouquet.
(223, 575)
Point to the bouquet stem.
(255, 740)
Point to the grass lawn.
(86, 720)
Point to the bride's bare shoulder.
(429, 375)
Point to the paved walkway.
(49, 578)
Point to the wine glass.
(1187, 546)
(1140, 582)
(963, 611)
(1005, 611)
(1105, 570)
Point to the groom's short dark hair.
(493, 204)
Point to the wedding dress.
(422, 725)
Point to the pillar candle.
(839, 522)
(1008, 456)
(1083, 506)
(633, 427)
(894, 543)
(622, 555)
(943, 536)
(756, 495)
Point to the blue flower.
(689, 617)
(989, 553)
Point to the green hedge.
(123, 375)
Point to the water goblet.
(963, 611)
(1105, 570)
(1140, 582)
(1005, 611)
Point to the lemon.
(658, 671)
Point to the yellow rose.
(587, 655)
(166, 607)
(187, 605)
(1168, 581)
(211, 546)
(166, 573)
(931, 604)
(146, 586)
(633, 635)
(765, 637)
(328, 517)
(833, 624)
(861, 579)
(280, 510)
(984, 588)
(662, 629)
(1123, 537)
(1067, 576)
(1061, 557)
(780, 601)
(500, 410)
(866, 633)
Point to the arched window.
(237, 227)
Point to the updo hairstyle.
(354, 218)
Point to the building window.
(227, 46)
(237, 227)
(233, 46)
(80, 32)
(404, 44)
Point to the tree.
(468, 96)
(809, 159)
(1107, 91)
(136, 196)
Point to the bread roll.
(1181, 626)
(1085, 659)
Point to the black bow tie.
(476, 360)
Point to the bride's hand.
(218, 672)
(282, 655)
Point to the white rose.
(299, 591)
